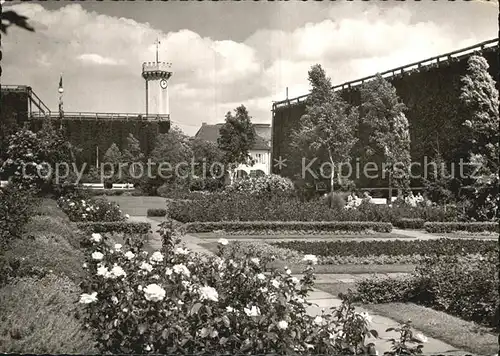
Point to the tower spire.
(157, 43)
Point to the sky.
(225, 54)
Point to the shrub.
(269, 184)
(16, 208)
(390, 248)
(336, 201)
(115, 226)
(183, 303)
(94, 209)
(157, 212)
(466, 287)
(37, 317)
(447, 227)
(312, 226)
(406, 223)
(252, 207)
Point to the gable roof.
(212, 132)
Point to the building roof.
(262, 139)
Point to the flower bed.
(157, 212)
(311, 227)
(390, 248)
(115, 226)
(447, 227)
(273, 207)
(466, 287)
(176, 302)
(94, 209)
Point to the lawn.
(455, 331)
(138, 206)
(462, 334)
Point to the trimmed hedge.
(352, 226)
(447, 227)
(157, 212)
(415, 224)
(115, 226)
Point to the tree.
(328, 124)
(172, 149)
(237, 136)
(206, 154)
(133, 153)
(480, 96)
(114, 157)
(438, 184)
(382, 114)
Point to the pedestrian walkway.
(322, 300)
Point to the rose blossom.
(88, 298)
(209, 293)
(154, 293)
(97, 255)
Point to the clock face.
(163, 84)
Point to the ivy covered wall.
(89, 134)
(435, 114)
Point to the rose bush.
(269, 184)
(175, 301)
(94, 209)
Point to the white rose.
(253, 311)
(168, 271)
(97, 255)
(88, 298)
(181, 269)
(420, 337)
(96, 237)
(181, 251)
(154, 293)
(114, 299)
(209, 293)
(103, 271)
(156, 257)
(318, 320)
(118, 247)
(229, 309)
(261, 276)
(275, 283)
(223, 242)
(117, 271)
(129, 255)
(255, 261)
(310, 258)
(283, 325)
(127, 216)
(146, 266)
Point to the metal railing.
(399, 70)
(101, 116)
(33, 98)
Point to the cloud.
(93, 58)
(101, 56)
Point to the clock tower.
(156, 74)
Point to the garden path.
(321, 299)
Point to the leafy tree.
(133, 153)
(438, 183)
(480, 96)
(237, 136)
(173, 150)
(328, 124)
(208, 154)
(382, 114)
(113, 156)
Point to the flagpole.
(61, 91)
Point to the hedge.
(115, 226)
(352, 226)
(157, 212)
(446, 227)
(409, 223)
